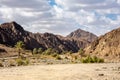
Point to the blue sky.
(52, 2)
(62, 16)
(112, 16)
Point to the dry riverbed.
(104, 71)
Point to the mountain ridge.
(12, 32)
(106, 46)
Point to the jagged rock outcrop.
(11, 33)
(82, 35)
(106, 46)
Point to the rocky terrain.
(106, 46)
(11, 33)
(7, 51)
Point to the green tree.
(19, 46)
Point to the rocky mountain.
(11, 33)
(106, 46)
(82, 35)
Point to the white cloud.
(96, 16)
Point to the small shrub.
(81, 52)
(26, 62)
(76, 57)
(90, 59)
(83, 61)
(64, 52)
(54, 55)
(1, 65)
(58, 57)
(39, 50)
(19, 62)
(35, 51)
(70, 52)
(49, 51)
(101, 61)
(95, 59)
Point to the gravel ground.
(104, 71)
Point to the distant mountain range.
(106, 46)
(11, 33)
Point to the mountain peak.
(81, 34)
(13, 22)
(14, 26)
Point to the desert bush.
(66, 57)
(54, 55)
(70, 52)
(49, 51)
(1, 65)
(81, 52)
(64, 52)
(58, 57)
(90, 59)
(35, 51)
(75, 57)
(26, 62)
(101, 61)
(21, 62)
(39, 50)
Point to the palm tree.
(81, 52)
(19, 46)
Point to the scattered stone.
(104, 67)
(100, 74)
(118, 68)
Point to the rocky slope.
(82, 35)
(106, 46)
(11, 33)
(7, 51)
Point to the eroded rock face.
(11, 33)
(106, 46)
(82, 35)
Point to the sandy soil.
(109, 71)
